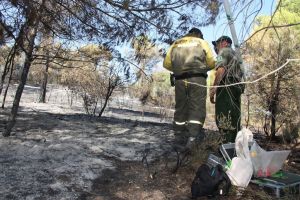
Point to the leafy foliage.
(109, 21)
(267, 51)
(92, 77)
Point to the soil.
(56, 151)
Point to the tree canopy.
(108, 21)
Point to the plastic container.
(214, 160)
(266, 163)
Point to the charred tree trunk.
(273, 119)
(25, 41)
(86, 103)
(11, 56)
(248, 110)
(6, 89)
(274, 107)
(297, 93)
(5, 71)
(29, 36)
(110, 89)
(95, 107)
(43, 89)
(8, 65)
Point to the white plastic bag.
(241, 170)
(266, 163)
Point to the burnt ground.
(58, 152)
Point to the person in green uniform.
(227, 99)
(189, 58)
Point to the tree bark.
(43, 89)
(6, 89)
(297, 93)
(109, 92)
(274, 107)
(31, 35)
(8, 65)
(4, 73)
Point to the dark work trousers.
(228, 111)
(190, 108)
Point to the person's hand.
(212, 93)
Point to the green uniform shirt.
(228, 99)
(228, 59)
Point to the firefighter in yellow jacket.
(189, 58)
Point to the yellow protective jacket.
(189, 54)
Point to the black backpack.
(210, 182)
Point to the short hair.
(221, 39)
(196, 31)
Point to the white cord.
(247, 82)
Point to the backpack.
(210, 182)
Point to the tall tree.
(48, 42)
(27, 36)
(267, 51)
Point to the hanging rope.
(248, 82)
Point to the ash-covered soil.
(56, 151)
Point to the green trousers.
(228, 111)
(190, 108)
